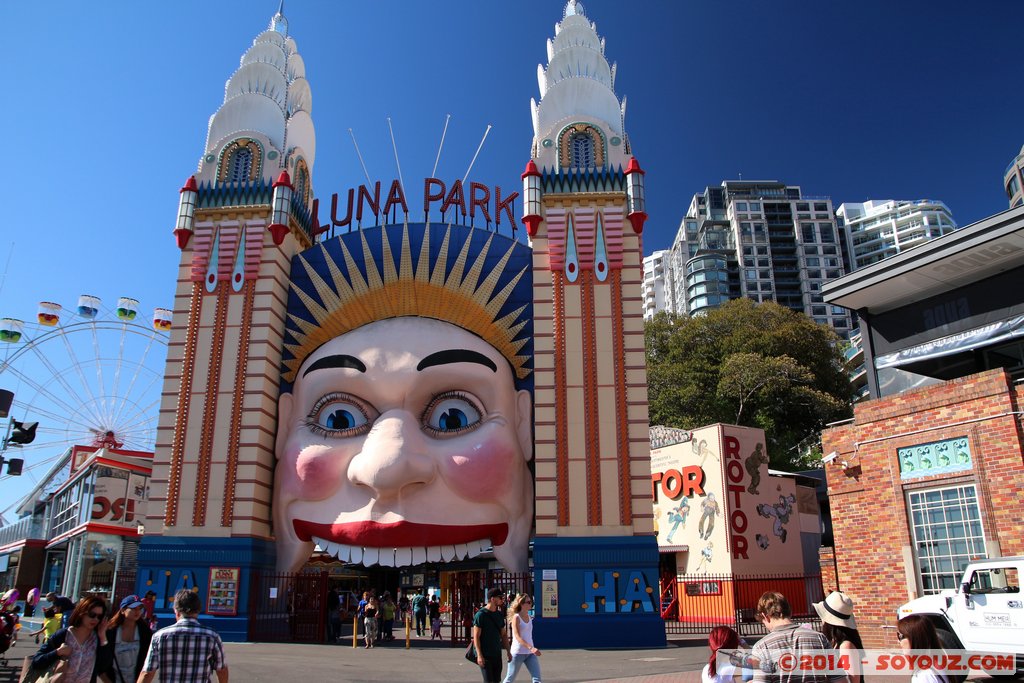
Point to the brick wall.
(829, 578)
(868, 499)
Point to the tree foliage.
(758, 365)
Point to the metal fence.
(288, 607)
(694, 604)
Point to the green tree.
(757, 365)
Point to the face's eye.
(450, 413)
(339, 415)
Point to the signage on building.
(119, 496)
(470, 201)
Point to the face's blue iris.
(341, 419)
(451, 414)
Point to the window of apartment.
(741, 206)
(750, 274)
(814, 261)
(818, 310)
(808, 231)
(803, 206)
(810, 250)
(946, 528)
(755, 206)
(827, 233)
(1012, 188)
(744, 228)
(821, 206)
(832, 262)
(828, 250)
(838, 310)
(748, 251)
(832, 274)
(762, 251)
(765, 274)
(759, 229)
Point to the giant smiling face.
(404, 441)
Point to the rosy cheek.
(481, 472)
(317, 472)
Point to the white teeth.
(403, 557)
(387, 557)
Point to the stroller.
(8, 620)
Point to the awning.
(987, 335)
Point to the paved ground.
(432, 662)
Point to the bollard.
(408, 632)
(355, 631)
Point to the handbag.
(51, 674)
(471, 653)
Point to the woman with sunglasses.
(79, 650)
(128, 638)
(916, 632)
(523, 651)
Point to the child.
(51, 623)
(435, 628)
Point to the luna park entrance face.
(317, 606)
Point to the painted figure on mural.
(709, 509)
(406, 390)
(677, 517)
(753, 464)
(706, 555)
(780, 512)
(702, 451)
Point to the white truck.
(985, 613)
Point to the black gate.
(288, 607)
(467, 591)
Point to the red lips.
(400, 534)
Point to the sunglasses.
(95, 615)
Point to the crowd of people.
(86, 643)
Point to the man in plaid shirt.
(187, 651)
(784, 636)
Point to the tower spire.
(278, 22)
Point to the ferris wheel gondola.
(89, 376)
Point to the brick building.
(923, 482)
(928, 475)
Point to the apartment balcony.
(25, 528)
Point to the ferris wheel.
(89, 376)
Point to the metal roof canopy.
(969, 254)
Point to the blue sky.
(107, 105)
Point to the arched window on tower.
(581, 151)
(240, 165)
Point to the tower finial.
(278, 22)
(573, 7)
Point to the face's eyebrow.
(456, 356)
(339, 361)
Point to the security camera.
(826, 459)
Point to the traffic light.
(14, 466)
(22, 433)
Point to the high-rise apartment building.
(1013, 180)
(762, 240)
(876, 229)
(654, 284)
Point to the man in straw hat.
(405, 419)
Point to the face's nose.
(393, 460)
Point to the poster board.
(222, 595)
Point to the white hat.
(836, 609)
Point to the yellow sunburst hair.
(325, 302)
